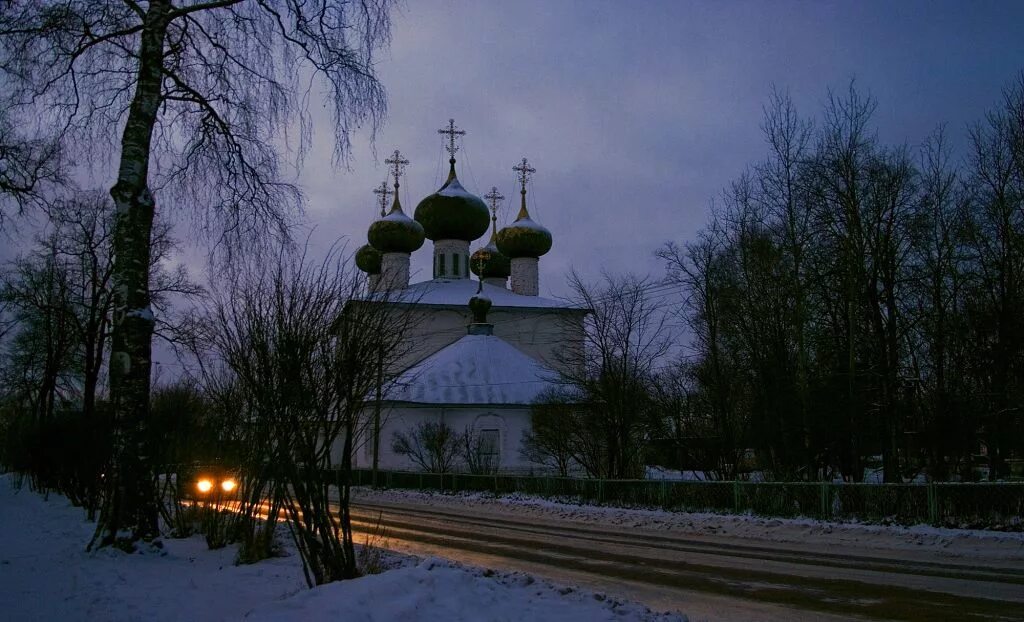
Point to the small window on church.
(440, 265)
(455, 264)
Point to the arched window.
(455, 264)
(440, 265)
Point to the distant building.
(478, 375)
(475, 375)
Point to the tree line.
(847, 300)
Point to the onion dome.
(368, 259)
(396, 232)
(452, 213)
(524, 237)
(488, 262)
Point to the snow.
(476, 369)
(457, 292)
(455, 189)
(397, 216)
(46, 574)
(528, 223)
(145, 313)
(447, 591)
(661, 473)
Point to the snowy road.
(711, 576)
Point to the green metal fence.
(991, 505)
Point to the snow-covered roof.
(477, 369)
(458, 292)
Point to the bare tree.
(996, 178)
(28, 165)
(432, 445)
(478, 452)
(607, 374)
(205, 93)
(299, 339)
(549, 441)
(719, 408)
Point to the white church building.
(478, 374)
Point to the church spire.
(523, 171)
(383, 193)
(524, 241)
(451, 132)
(395, 235)
(398, 164)
(494, 198)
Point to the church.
(476, 371)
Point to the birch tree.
(207, 96)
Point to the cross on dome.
(523, 171)
(397, 164)
(383, 193)
(494, 197)
(451, 131)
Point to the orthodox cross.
(383, 193)
(397, 164)
(452, 132)
(524, 171)
(494, 197)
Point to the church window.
(440, 265)
(455, 264)
(490, 447)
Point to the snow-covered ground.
(45, 574)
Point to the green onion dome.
(368, 259)
(452, 213)
(396, 232)
(488, 262)
(524, 237)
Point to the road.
(705, 577)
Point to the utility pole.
(376, 417)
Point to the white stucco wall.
(538, 333)
(510, 422)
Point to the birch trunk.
(130, 508)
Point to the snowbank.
(45, 574)
(440, 590)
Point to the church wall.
(510, 422)
(539, 333)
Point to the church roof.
(456, 292)
(477, 369)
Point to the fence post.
(933, 505)
(600, 491)
(736, 495)
(664, 493)
(825, 505)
